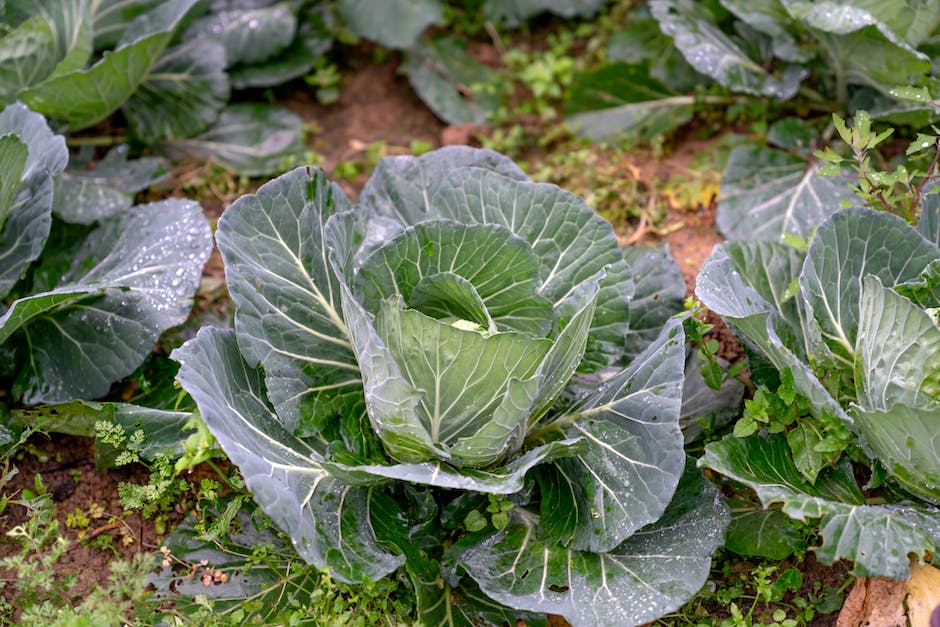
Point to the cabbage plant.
(85, 290)
(851, 324)
(399, 392)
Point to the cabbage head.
(443, 377)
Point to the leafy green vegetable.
(395, 360)
(97, 298)
(767, 194)
(183, 93)
(878, 538)
(858, 355)
(83, 195)
(763, 533)
(858, 55)
(452, 84)
(27, 188)
(622, 100)
(82, 97)
(395, 24)
(713, 53)
(251, 139)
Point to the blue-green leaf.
(328, 521)
(655, 571)
(289, 317)
(27, 185)
(140, 271)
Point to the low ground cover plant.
(397, 394)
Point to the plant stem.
(98, 140)
(927, 174)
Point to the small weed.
(697, 331)
(897, 190)
(325, 79)
(41, 595)
(746, 595)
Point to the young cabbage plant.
(851, 325)
(83, 295)
(396, 393)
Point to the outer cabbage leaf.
(251, 139)
(289, 315)
(701, 404)
(83, 97)
(506, 479)
(164, 431)
(84, 196)
(144, 268)
(859, 48)
(263, 591)
(641, 42)
(771, 18)
(914, 21)
(112, 17)
(13, 156)
(653, 572)
(928, 224)
(25, 222)
(714, 54)
(634, 459)
(401, 188)
(878, 538)
(45, 37)
(328, 521)
(24, 309)
(745, 282)
(394, 23)
(447, 79)
(767, 193)
(181, 95)
(765, 533)
(897, 351)
(925, 290)
(906, 440)
(314, 38)
(622, 102)
(658, 294)
(846, 247)
(512, 13)
(250, 34)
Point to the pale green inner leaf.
(450, 297)
(500, 266)
(462, 375)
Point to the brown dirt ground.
(376, 104)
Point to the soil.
(376, 104)
(67, 466)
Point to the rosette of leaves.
(848, 330)
(396, 394)
(853, 53)
(83, 296)
(169, 67)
